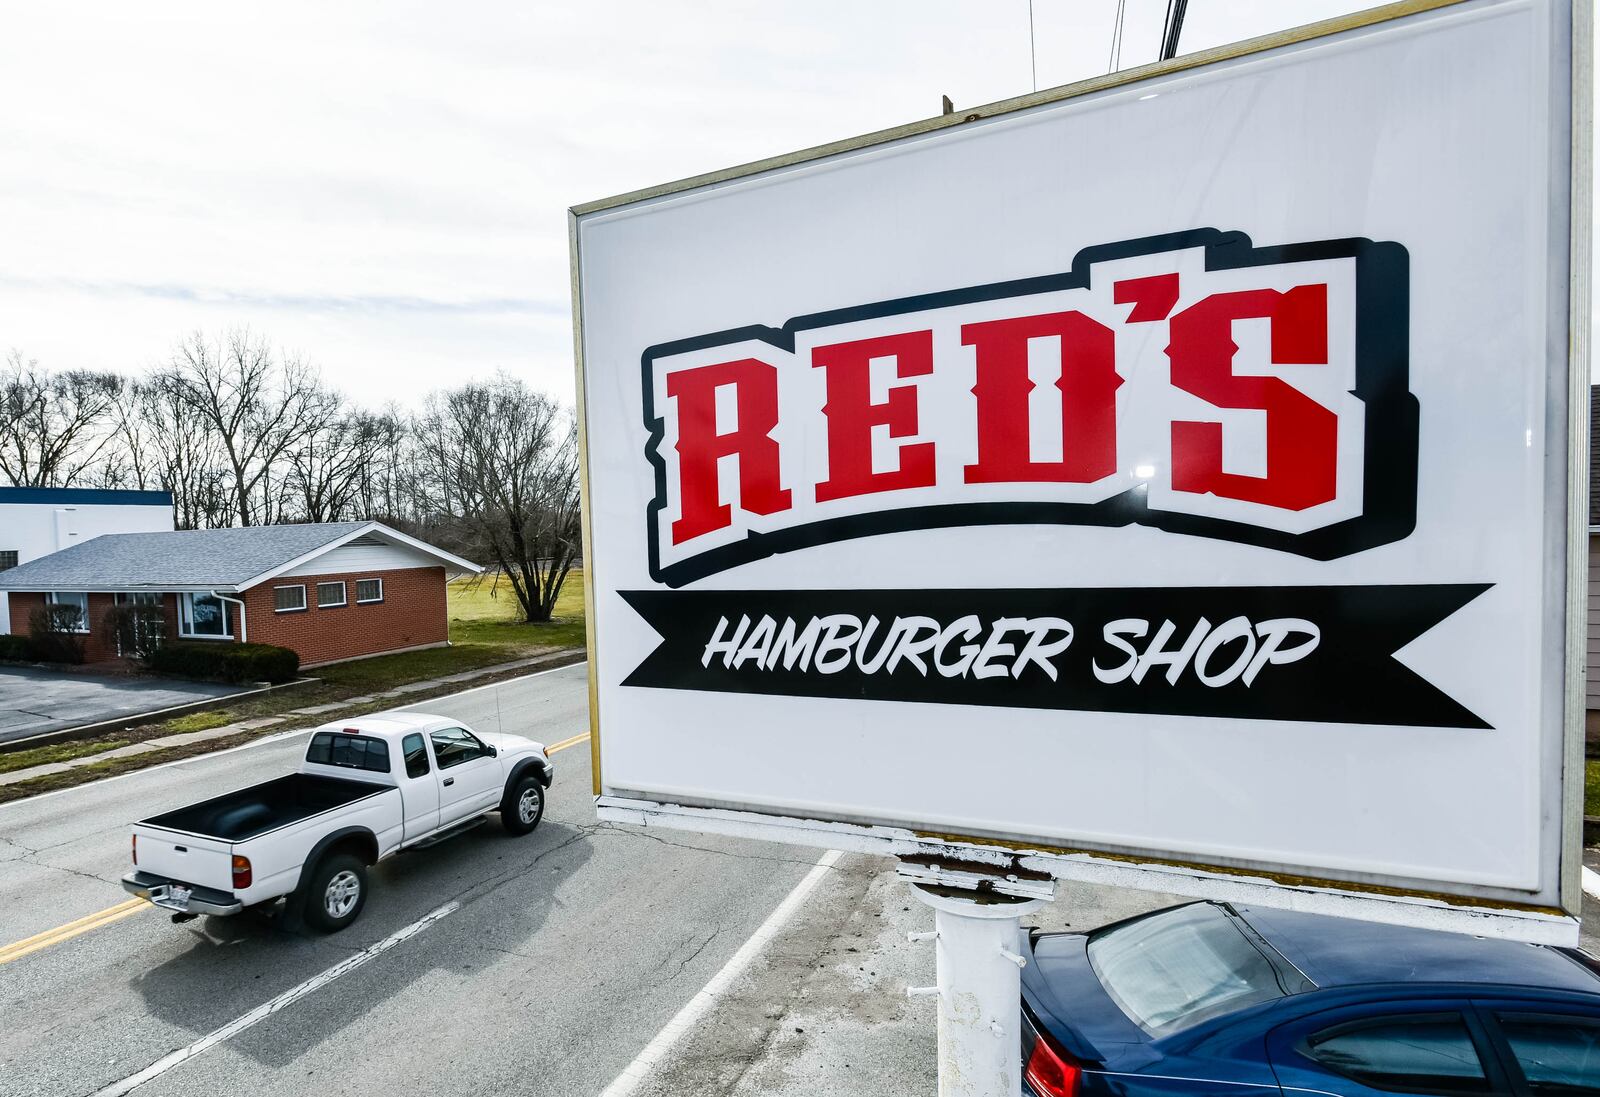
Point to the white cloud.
(383, 186)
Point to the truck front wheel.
(523, 806)
(337, 893)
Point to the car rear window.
(331, 748)
(1176, 968)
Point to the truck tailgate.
(187, 858)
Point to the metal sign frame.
(1029, 870)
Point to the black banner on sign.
(1322, 654)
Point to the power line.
(1033, 57)
(1171, 28)
(1116, 37)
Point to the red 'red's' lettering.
(700, 446)
(1088, 385)
(1301, 433)
(1152, 298)
(852, 414)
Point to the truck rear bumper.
(175, 895)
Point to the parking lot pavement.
(33, 702)
(824, 1010)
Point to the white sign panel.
(1176, 471)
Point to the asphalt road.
(569, 951)
(560, 957)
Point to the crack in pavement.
(691, 957)
(494, 883)
(640, 832)
(125, 826)
(27, 851)
(26, 860)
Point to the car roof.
(1335, 952)
(388, 723)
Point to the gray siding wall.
(1591, 658)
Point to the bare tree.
(501, 461)
(177, 455)
(386, 485)
(331, 463)
(54, 427)
(256, 404)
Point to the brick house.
(331, 591)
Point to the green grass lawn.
(55, 752)
(1591, 787)
(485, 628)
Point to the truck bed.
(243, 814)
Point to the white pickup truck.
(367, 788)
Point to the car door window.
(416, 752)
(1557, 1054)
(453, 746)
(1426, 1053)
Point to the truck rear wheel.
(523, 806)
(337, 893)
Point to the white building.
(35, 522)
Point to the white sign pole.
(978, 969)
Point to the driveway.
(33, 702)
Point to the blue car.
(1214, 999)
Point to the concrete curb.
(552, 661)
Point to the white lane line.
(277, 737)
(702, 1003)
(267, 1009)
(1591, 882)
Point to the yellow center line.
(565, 743)
(72, 929)
(80, 926)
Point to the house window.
(77, 599)
(203, 617)
(138, 598)
(8, 559)
(330, 594)
(369, 590)
(288, 599)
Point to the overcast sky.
(382, 187)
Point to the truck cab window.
(416, 752)
(330, 748)
(452, 746)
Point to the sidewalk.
(288, 719)
(823, 1009)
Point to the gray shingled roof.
(181, 560)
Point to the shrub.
(54, 632)
(139, 629)
(219, 662)
(16, 649)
